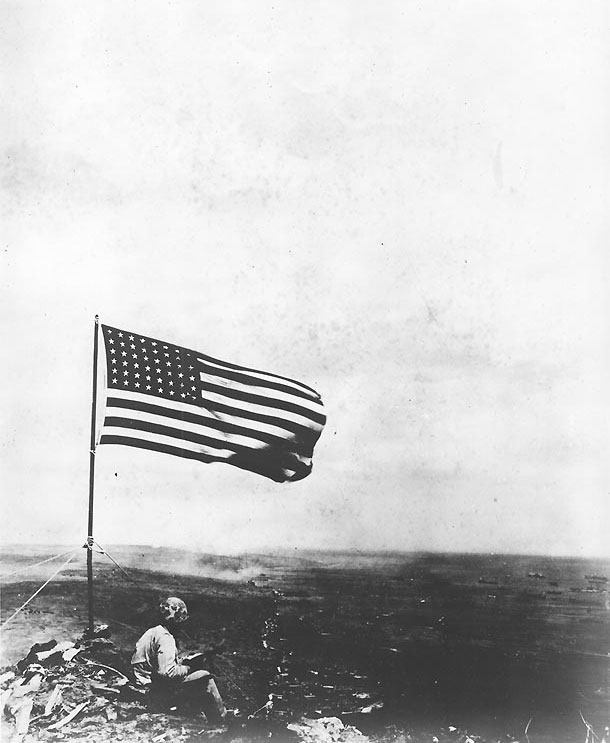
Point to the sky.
(400, 204)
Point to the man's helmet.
(173, 609)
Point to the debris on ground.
(69, 717)
(81, 691)
(60, 683)
(17, 701)
(326, 730)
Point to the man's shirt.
(156, 655)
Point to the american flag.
(175, 400)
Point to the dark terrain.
(484, 643)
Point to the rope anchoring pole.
(33, 596)
(35, 565)
(110, 557)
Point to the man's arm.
(167, 662)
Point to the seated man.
(156, 667)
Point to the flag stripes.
(157, 444)
(206, 416)
(259, 465)
(269, 391)
(255, 373)
(170, 399)
(269, 402)
(234, 442)
(279, 384)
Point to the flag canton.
(139, 364)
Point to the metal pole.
(89, 544)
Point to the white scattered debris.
(8, 676)
(15, 700)
(370, 708)
(326, 730)
(70, 653)
(53, 701)
(69, 717)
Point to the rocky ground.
(420, 650)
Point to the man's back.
(155, 655)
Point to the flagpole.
(89, 544)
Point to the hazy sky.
(401, 204)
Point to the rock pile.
(58, 685)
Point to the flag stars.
(160, 389)
(147, 386)
(131, 337)
(123, 353)
(114, 361)
(111, 340)
(112, 350)
(126, 382)
(147, 368)
(137, 384)
(124, 363)
(132, 345)
(122, 344)
(114, 381)
(134, 355)
(120, 335)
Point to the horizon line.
(370, 551)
